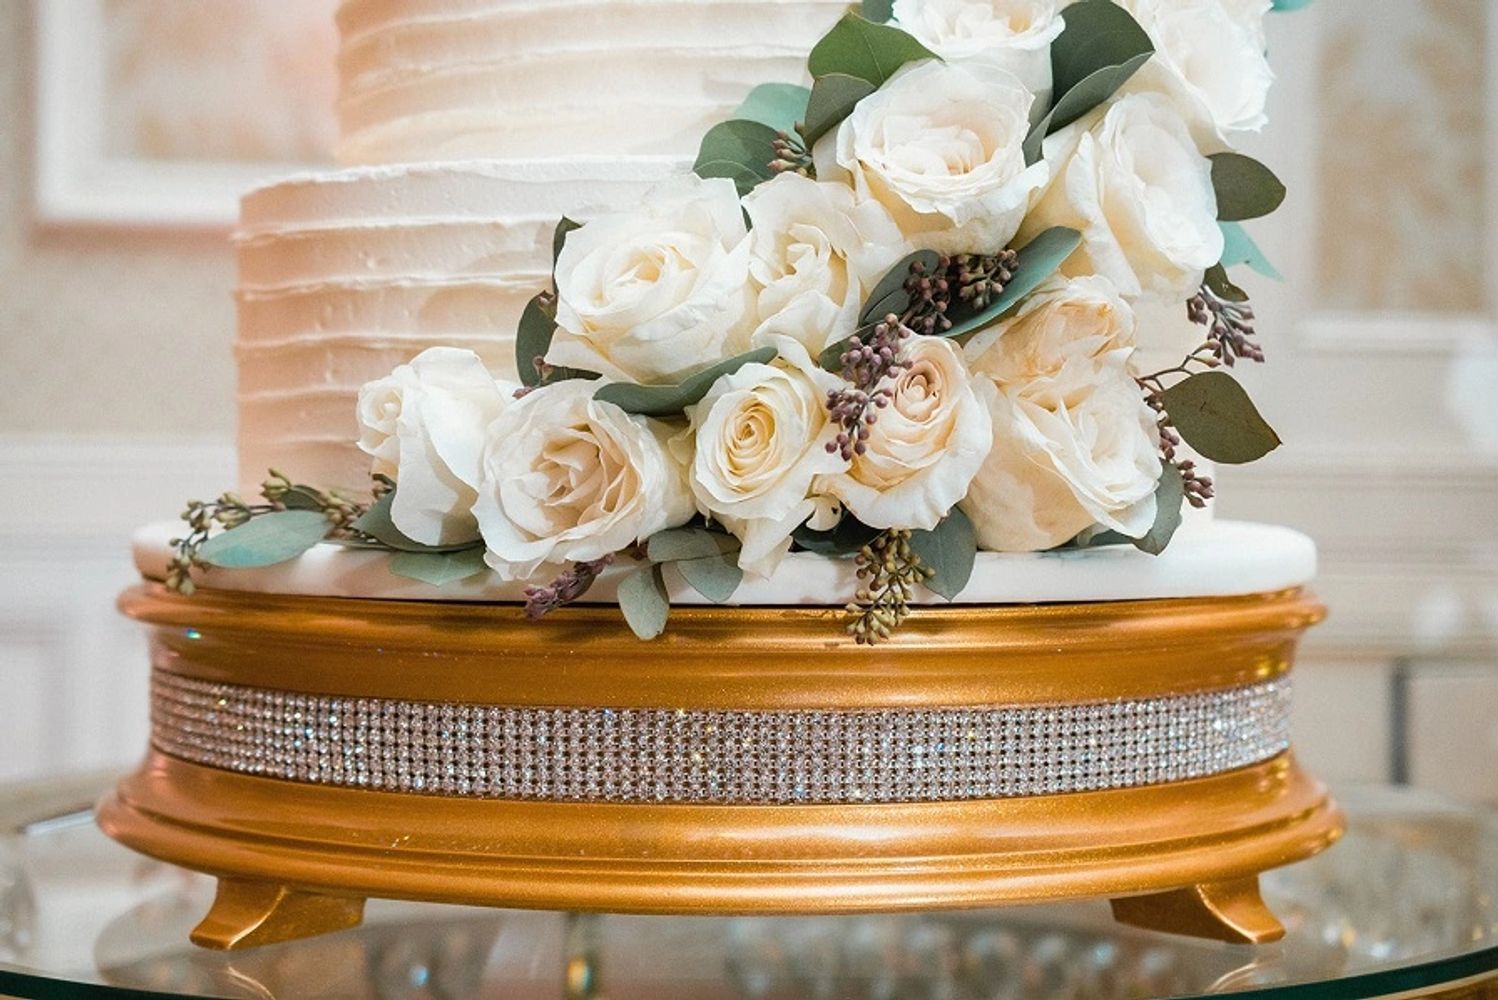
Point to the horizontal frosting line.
(252, 238)
(495, 282)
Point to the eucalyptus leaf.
(1217, 280)
(715, 577)
(533, 337)
(376, 523)
(833, 98)
(1038, 260)
(439, 568)
(301, 497)
(878, 11)
(1170, 494)
(677, 544)
(889, 295)
(742, 151)
(858, 47)
(1095, 537)
(1287, 6)
(778, 105)
(266, 539)
(1215, 416)
(1098, 34)
(844, 539)
(1239, 248)
(669, 400)
(642, 598)
(559, 238)
(1246, 189)
(1089, 92)
(950, 549)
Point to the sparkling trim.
(738, 757)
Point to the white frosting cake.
(470, 127)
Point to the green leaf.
(439, 568)
(266, 539)
(559, 238)
(858, 47)
(533, 337)
(844, 539)
(949, 549)
(1217, 280)
(677, 544)
(833, 98)
(715, 577)
(1088, 93)
(1246, 189)
(669, 400)
(1038, 260)
(1216, 417)
(642, 598)
(1286, 6)
(376, 523)
(778, 105)
(301, 497)
(880, 11)
(1169, 496)
(889, 295)
(742, 151)
(1239, 248)
(1092, 538)
(1098, 34)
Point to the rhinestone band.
(729, 757)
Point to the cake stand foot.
(1223, 911)
(248, 913)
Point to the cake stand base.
(314, 752)
(295, 860)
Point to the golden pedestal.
(297, 854)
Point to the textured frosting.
(457, 79)
(1220, 559)
(344, 275)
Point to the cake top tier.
(424, 80)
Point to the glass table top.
(1407, 901)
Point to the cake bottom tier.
(314, 752)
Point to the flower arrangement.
(893, 317)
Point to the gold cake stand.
(295, 858)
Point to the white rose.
(568, 478)
(815, 253)
(1075, 445)
(1132, 181)
(939, 146)
(926, 445)
(1013, 34)
(1209, 58)
(1058, 338)
(758, 443)
(424, 426)
(652, 294)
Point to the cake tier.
(344, 275)
(452, 79)
(1208, 559)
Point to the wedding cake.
(743, 455)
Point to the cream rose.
(926, 445)
(1132, 181)
(815, 252)
(1074, 443)
(939, 146)
(652, 294)
(424, 426)
(1209, 58)
(568, 478)
(758, 442)
(1013, 34)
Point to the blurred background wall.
(128, 126)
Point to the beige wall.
(102, 332)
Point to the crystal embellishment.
(684, 755)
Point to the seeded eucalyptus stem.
(888, 571)
(231, 510)
(1198, 488)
